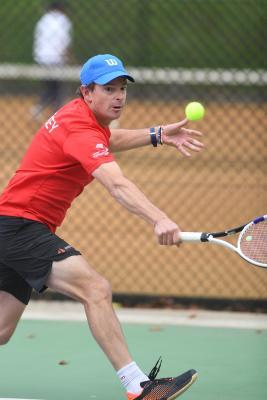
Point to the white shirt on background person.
(52, 38)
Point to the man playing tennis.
(71, 149)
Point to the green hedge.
(174, 33)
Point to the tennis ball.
(194, 111)
(248, 238)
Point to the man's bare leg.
(75, 278)
(11, 310)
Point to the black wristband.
(153, 137)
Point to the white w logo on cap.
(111, 61)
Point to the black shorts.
(27, 251)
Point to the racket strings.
(253, 243)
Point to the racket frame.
(212, 237)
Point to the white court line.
(71, 311)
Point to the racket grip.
(190, 236)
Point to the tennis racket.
(251, 243)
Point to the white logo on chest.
(51, 124)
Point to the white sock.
(131, 376)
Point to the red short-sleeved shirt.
(57, 165)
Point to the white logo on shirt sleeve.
(102, 152)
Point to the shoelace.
(153, 374)
(155, 370)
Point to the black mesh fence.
(178, 51)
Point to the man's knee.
(5, 335)
(11, 311)
(97, 290)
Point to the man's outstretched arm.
(133, 199)
(175, 135)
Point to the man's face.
(107, 101)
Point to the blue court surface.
(52, 355)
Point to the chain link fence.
(179, 51)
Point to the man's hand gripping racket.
(251, 243)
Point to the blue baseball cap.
(102, 69)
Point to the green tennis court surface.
(54, 360)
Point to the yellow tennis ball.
(194, 111)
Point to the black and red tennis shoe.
(164, 388)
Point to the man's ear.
(86, 92)
(83, 90)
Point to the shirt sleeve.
(90, 148)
